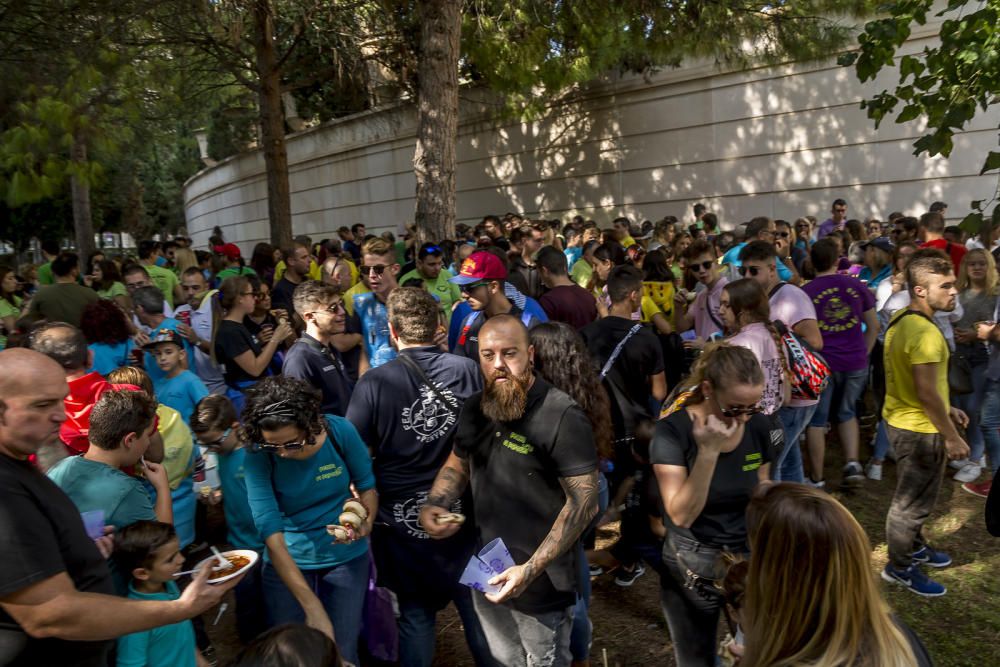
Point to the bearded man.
(528, 452)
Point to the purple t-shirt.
(840, 302)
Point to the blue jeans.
(341, 589)
(971, 404)
(881, 441)
(989, 422)
(844, 390)
(788, 467)
(582, 632)
(417, 631)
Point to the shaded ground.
(960, 629)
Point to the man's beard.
(506, 401)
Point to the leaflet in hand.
(493, 559)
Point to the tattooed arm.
(579, 509)
(448, 487)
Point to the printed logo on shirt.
(329, 471)
(428, 417)
(406, 513)
(752, 462)
(518, 443)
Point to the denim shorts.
(843, 391)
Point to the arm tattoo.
(450, 483)
(580, 508)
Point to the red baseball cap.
(230, 250)
(480, 266)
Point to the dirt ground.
(960, 629)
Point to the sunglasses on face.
(705, 266)
(782, 235)
(379, 269)
(215, 444)
(753, 270)
(738, 410)
(288, 446)
(467, 289)
(332, 308)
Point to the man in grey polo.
(312, 357)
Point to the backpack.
(809, 370)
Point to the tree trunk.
(80, 193)
(437, 123)
(272, 126)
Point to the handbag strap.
(618, 350)
(415, 367)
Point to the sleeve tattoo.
(580, 508)
(450, 482)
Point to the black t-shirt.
(468, 337)
(570, 304)
(628, 380)
(722, 522)
(231, 340)
(320, 366)
(281, 295)
(43, 535)
(408, 427)
(515, 472)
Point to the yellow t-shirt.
(913, 340)
(360, 288)
(177, 445)
(649, 308)
(662, 294)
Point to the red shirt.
(955, 250)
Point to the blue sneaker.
(914, 580)
(928, 556)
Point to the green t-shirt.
(447, 293)
(45, 276)
(582, 271)
(62, 302)
(97, 486)
(234, 271)
(165, 279)
(116, 289)
(7, 309)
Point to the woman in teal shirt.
(298, 476)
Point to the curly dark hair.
(300, 408)
(563, 360)
(104, 322)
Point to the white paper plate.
(212, 562)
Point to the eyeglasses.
(136, 285)
(754, 270)
(293, 446)
(379, 269)
(468, 288)
(332, 308)
(705, 266)
(215, 444)
(737, 410)
(782, 235)
(253, 294)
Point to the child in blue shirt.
(215, 425)
(178, 387)
(150, 553)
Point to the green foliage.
(948, 85)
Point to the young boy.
(215, 426)
(150, 553)
(178, 388)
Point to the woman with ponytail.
(746, 313)
(244, 357)
(708, 456)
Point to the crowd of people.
(383, 421)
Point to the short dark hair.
(756, 226)
(932, 222)
(116, 414)
(757, 251)
(622, 281)
(429, 249)
(192, 271)
(147, 248)
(312, 293)
(61, 342)
(290, 645)
(413, 314)
(697, 249)
(215, 412)
(64, 264)
(926, 262)
(553, 260)
(136, 543)
(356, 226)
(134, 268)
(824, 254)
(710, 220)
(938, 207)
(699, 208)
(838, 202)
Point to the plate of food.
(239, 560)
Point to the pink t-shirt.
(756, 338)
(704, 324)
(790, 305)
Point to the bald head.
(32, 389)
(63, 343)
(22, 368)
(507, 327)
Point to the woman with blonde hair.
(708, 455)
(811, 596)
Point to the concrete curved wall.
(781, 141)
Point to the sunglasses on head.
(753, 270)
(288, 446)
(705, 266)
(379, 269)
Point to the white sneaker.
(874, 471)
(969, 473)
(958, 464)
